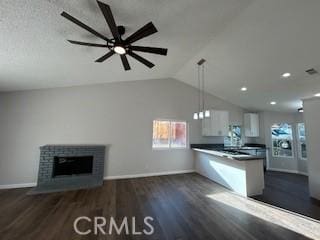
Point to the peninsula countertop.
(238, 157)
(248, 146)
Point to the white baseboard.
(25, 185)
(287, 171)
(147, 174)
(19, 185)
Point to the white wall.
(267, 119)
(312, 119)
(119, 114)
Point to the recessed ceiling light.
(286, 75)
(243, 89)
(317, 95)
(273, 103)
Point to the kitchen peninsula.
(238, 171)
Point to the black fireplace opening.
(77, 165)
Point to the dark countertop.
(228, 156)
(220, 147)
(217, 149)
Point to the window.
(161, 134)
(169, 134)
(234, 137)
(302, 141)
(282, 140)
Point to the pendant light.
(197, 115)
(202, 113)
(204, 110)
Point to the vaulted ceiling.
(245, 42)
(267, 39)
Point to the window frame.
(299, 143)
(230, 131)
(292, 141)
(170, 147)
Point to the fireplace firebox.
(75, 165)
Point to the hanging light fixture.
(197, 115)
(202, 113)
(204, 110)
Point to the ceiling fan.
(122, 47)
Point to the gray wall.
(286, 164)
(119, 114)
(312, 120)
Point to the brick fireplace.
(69, 167)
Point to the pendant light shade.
(201, 115)
(207, 114)
(195, 116)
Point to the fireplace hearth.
(70, 167)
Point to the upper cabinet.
(216, 125)
(251, 125)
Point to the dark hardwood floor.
(186, 206)
(291, 192)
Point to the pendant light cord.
(199, 82)
(203, 105)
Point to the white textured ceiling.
(34, 52)
(245, 42)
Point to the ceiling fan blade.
(81, 24)
(143, 32)
(160, 51)
(141, 59)
(125, 62)
(104, 57)
(107, 13)
(88, 44)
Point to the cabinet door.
(247, 125)
(223, 123)
(255, 125)
(217, 124)
(251, 125)
(206, 126)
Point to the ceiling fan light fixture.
(244, 89)
(120, 50)
(286, 75)
(116, 44)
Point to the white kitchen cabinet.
(217, 124)
(251, 125)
